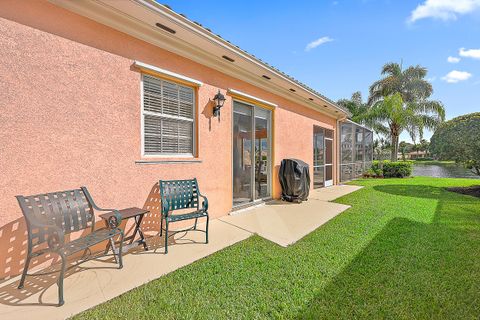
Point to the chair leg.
(24, 273)
(60, 280)
(112, 246)
(107, 248)
(161, 224)
(166, 236)
(120, 261)
(195, 225)
(206, 230)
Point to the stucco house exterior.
(115, 95)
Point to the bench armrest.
(114, 220)
(204, 203)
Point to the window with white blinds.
(168, 117)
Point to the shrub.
(373, 173)
(389, 169)
(370, 173)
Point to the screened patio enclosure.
(356, 150)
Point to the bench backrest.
(181, 194)
(70, 210)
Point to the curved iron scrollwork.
(115, 220)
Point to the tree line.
(399, 101)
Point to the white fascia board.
(145, 66)
(247, 96)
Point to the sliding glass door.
(322, 157)
(242, 154)
(318, 157)
(251, 153)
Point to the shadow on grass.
(412, 269)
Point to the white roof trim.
(167, 73)
(244, 95)
(138, 19)
(358, 124)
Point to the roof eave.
(131, 16)
(238, 51)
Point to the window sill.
(168, 161)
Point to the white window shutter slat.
(168, 118)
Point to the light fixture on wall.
(219, 100)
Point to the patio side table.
(128, 213)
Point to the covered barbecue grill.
(294, 177)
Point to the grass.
(433, 162)
(406, 249)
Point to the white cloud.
(453, 59)
(443, 9)
(318, 42)
(456, 76)
(470, 53)
(431, 79)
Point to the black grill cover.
(295, 180)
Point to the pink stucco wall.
(70, 116)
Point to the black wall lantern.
(219, 100)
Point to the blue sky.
(351, 40)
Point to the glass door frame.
(327, 183)
(323, 167)
(270, 152)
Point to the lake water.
(444, 170)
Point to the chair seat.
(89, 240)
(186, 216)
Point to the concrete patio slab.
(285, 223)
(97, 281)
(333, 192)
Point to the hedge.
(388, 169)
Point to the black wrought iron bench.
(52, 216)
(178, 195)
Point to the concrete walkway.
(285, 223)
(96, 281)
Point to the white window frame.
(142, 126)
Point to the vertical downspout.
(338, 153)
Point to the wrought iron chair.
(177, 195)
(52, 216)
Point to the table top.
(125, 213)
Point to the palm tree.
(410, 83)
(403, 149)
(414, 131)
(398, 116)
(399, 102)
(355, 105)
(424, 146)
(379, 146)
(358, 109)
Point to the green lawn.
(406, 249)
(433, 162)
